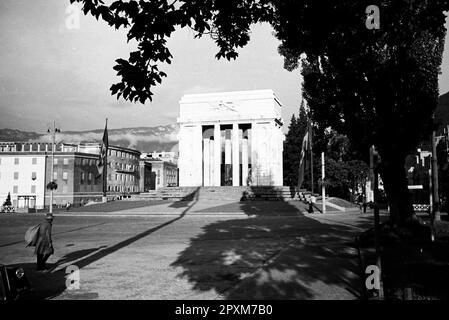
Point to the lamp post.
(52, 130)
(436, 197)
(323, 188)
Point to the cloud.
(132, 138)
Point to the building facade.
(22, 175)
(77, 177)
(123, 167)
(163, 174)
(168, 156)
(25, 171)
(146, 176)
(230, 139)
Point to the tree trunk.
(392, 172)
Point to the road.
(290, 256)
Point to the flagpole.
(323, 175)
(105, 171)
(311, 159)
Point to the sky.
(50, 72)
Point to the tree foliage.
(52, 185)
(345, 173)
(7, 201)
(292, 146)
(376, 86)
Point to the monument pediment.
(231, 106)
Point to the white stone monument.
(230, 139)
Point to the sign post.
(323, 189)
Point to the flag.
(302, 159)
(103, 150)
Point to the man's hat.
(49, 216)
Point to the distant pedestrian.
(364, 206)
(67, 206)
(249, 179)
(310, 206)
(44, 244)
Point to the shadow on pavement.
(117, 205)
(260, 208)
(263, 257)
(54, 234)
(52, 284)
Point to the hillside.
(144, 139)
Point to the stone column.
(217, 155)
(228, 159)
(211, 162)
(206, 162)
(254, 154)
(235, 155)
(244, 161)
(141, 176)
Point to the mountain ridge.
(144, 139)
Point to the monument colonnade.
(230, 139)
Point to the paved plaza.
(193, 250)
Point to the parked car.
(13, 283)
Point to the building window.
(55, 161)
(64, 189)
(33, 189)
(15, 189)
(66, 161)
(16, 176)
(34, 160)
(33, 175)
(90, 178)
(16, 160)
(55, 176)
(65, 176)
(82, 177)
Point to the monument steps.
(228, 193)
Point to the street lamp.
(52, 130)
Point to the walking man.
(44, 244)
